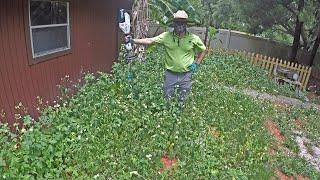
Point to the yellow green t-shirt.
(180, 52)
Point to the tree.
(296, 18)
(314, 49)
(297, 32)
(307, 23)
(315, 7)
(295, 22)
(140, 23)
(217, 14)
(162, 11)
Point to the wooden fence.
(269, 63)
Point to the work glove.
(193, 67)
(128, 42)
(128, 39)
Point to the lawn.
(116, 129)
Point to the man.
(181, 47)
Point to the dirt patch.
(298, 123)
(299, 177)
(215, 132)
(282, 176)
(275, 131)
(280, 104)
(314, 97)
(168, 163)
(280, 139)
(272, 151)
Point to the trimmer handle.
(128, 42)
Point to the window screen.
(49, 27)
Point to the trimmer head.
(124, 21)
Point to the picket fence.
(269, 63)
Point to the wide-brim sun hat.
(180, 16)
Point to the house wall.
(94, 48)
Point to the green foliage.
(279, 17)
(309, 121)
(162, 10)
(230, 69)
(309, 125)
(220, 14)
(278, 36)
(115, 129)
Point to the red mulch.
(300, 177)
(168, 163)
(298, 123)
(282, 176)
(275, 131)
(280, 104)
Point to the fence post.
(272, 64)
(304, 76)
(260, 60)
(300, 72)
(295, 67)
(280, 63)
(252, 58)
(247, 55)
(307, 78)
(268, 62)
(288, 63)
(256, 60)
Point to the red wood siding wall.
(94, 46)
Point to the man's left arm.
(199, 46)
(194, 66)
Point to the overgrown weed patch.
(117, 129)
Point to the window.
(49, 27)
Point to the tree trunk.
(317, 41)
(297, 33)
(314, 49)
(208, 23)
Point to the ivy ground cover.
(115, 129)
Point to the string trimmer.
(125, 26)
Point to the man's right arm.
(145, 41)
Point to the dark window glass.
(48, 12)
(46, 40)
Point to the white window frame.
(46, 26)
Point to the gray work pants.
(180, 80)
